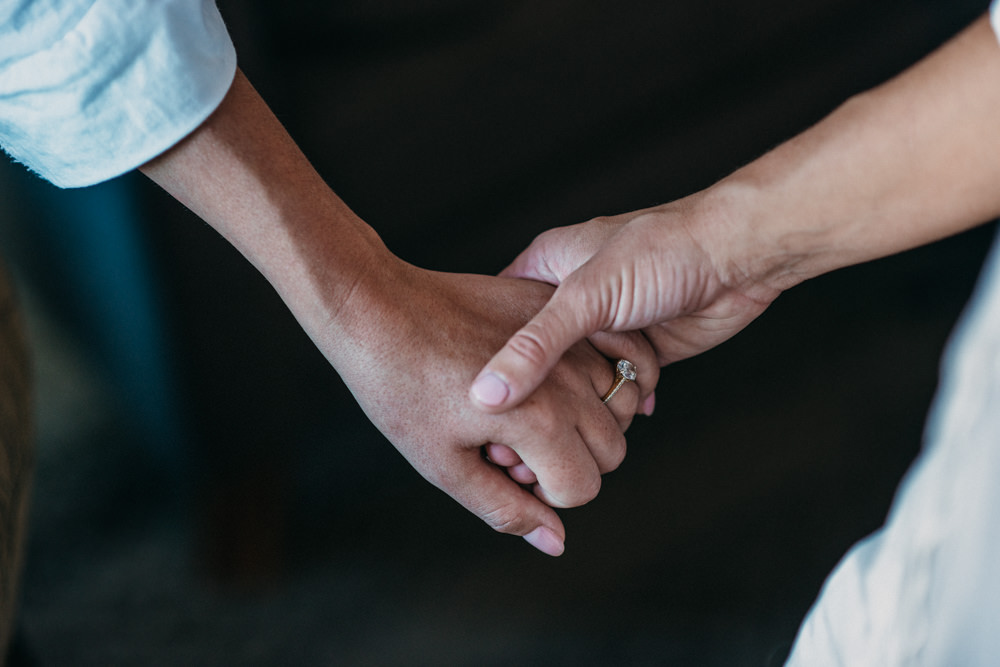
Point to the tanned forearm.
(242, 174)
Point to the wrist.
(242, 174)
(748, 243)
(329, 270)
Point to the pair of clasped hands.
(528, 432)
(491, 387)
(512, 437)
(573, 302)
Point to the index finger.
(505, 506)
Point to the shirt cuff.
(121, 86)
(995, 17)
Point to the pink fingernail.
(649, 405)
(546, 541)
(490, 390)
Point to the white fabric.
(995, 16)
(91, 89)
(925, 590)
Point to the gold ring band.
(625, 371)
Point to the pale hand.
(648, 271)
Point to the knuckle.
(530, 343)
(505, 519)
(545, 237)
(545, 423)
(582, 492)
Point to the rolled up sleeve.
(98, 90)
(995, 16)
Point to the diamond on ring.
(625, 371)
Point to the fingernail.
(490, 390)
(649, 405)
(546, 541)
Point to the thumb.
(526, 359)
(532, 264)
(505, 506)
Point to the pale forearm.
(907, 163)
(912, 161)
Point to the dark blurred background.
(209, 493)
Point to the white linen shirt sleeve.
(91, 89)
(995, 16)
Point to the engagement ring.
(624, 372)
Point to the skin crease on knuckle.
(506, 519)
(542, 415)
(530, 344)
(565, 470)
(605, 431)
(561, 456)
